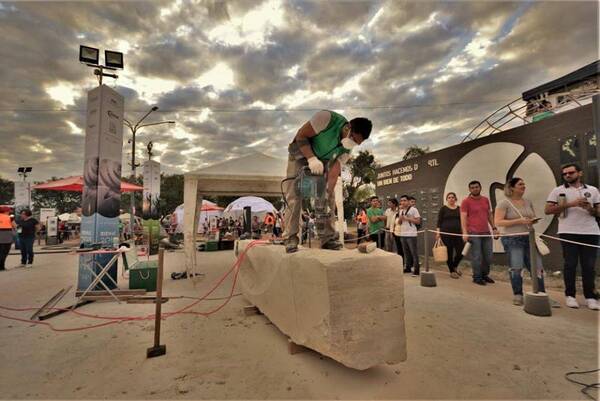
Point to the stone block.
(343, 304)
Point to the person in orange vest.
(361, 224)
(269, 222)
(7, 233)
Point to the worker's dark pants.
(26, 249)
(586, 256)
(4, 250)
(294, 207)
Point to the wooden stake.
(157, 349)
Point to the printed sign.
(101, 198)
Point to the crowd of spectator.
(475, 223)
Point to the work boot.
(291, 244)
(333, 245)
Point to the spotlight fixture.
(113, 59)
(89, 55)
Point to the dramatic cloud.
(242, 76)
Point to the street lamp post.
(134, 128)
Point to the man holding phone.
(578, 206)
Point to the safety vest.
(5, 223)
(362, 217)
(327, 144)
(269, 220)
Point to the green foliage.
(415, 151)
(362, 171)
(364, 193)
(171, 193)
(7, 192)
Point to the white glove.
(343, 158)
(316, 166)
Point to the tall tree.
(171, 193)
(7, 191)
(415, 151)
(361, 170)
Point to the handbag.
(440, 252)
(540, 244)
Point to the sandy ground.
(464, 342)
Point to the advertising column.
(101, 198)
(22, 196)
(150, 215)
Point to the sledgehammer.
(367, 247)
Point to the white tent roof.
(252, 165)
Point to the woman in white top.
(515, 215)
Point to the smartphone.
(537, 219)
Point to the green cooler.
(143, 275)
(212, 246)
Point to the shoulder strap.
(514, 207)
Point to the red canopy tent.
(75, 184)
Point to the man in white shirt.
(577, 205)
(409, 218)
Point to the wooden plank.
(140, 291)
(51, 302)
(120, 297)
(146, 300)
(60, 312)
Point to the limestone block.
(343, 304)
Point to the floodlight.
(113, 59)
(28, 169)
(89, 55)
(21, 170)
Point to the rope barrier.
(569, 241)
(234, 269)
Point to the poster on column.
(101, 196)
(151, 170)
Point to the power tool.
(313, 188)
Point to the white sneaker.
(592, 304)
(572, 302)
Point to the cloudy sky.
(241, 76)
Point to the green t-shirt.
(373, 227)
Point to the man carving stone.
(328, 136)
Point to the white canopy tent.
(259, 206)
(207, 213)
(255, 174)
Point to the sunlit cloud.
(221, 77)
(251, 29)
(64, 92)
(75, 130)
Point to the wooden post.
(157, 349)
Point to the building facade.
(533, 152)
